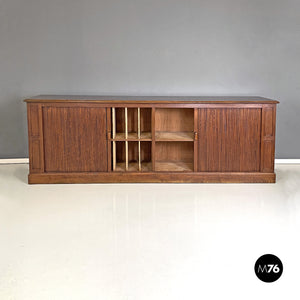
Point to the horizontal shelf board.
(134, 167)
(133, 136)
(173, 166)
(166, 136)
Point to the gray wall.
(165, 47)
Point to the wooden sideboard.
(107, 139)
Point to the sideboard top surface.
(154, 99)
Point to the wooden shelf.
(134, 167)
(168, 136)
(173, 166)
(133, 136)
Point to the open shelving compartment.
(132, 123)
(129, 160)
(140, 146)
(131, 139)
(174, 139)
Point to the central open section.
(174, 139)
(152, 139)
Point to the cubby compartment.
(174, 156)
(145, 156)
(131, 123)
(132, 156)
(145, 123)
(174, 124)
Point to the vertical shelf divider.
(153, 138)
(139, 122)
(126, 123)
(114, 136)
(139, 150)
(126, 137)
(139, 136)
(196, 124)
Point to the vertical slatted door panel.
(229, 140)
(75, 139)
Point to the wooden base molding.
(137, 177)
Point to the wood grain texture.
(174, 151)
(132, 121)
(174, 119)
(35, 138)
(187, 140)
(174, 166)
(75, 139)
(153, 137)
(150, 177)
(268, 125)
(229, 140)
(109, 135)
(133, 152)
(174, 136)
(134, 167)
(146, 116)
(133, 136)
(148, 104)
(153, 99)
(196, 129)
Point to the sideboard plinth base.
(164, 177)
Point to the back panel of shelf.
(174, 119)
(174, 156)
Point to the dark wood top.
(152, 99)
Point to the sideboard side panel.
(35, 138)
(229, 139)
(268, 138)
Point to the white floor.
(147, 241)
